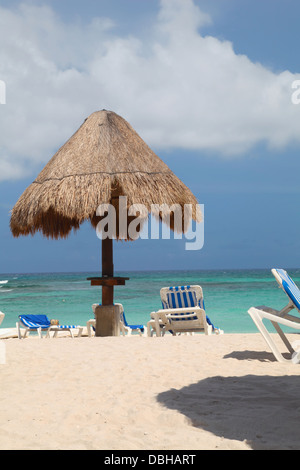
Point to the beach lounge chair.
(183, 312)
(6, 333)
(282, 317)
(129, 329)
(124, 326)
(41, 323)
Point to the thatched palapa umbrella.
(103, 160)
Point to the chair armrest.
(182, 316)
(167, 311)
(289, 321)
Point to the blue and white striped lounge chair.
(124, 326)
(183, 312)
(282, 317)
(41, 323)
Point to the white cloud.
(177, 88)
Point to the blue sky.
(207, 84)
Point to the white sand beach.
(139, 393)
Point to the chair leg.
(48, 333)
(89, 327)
(122, 329)
(149, 329)
(18, 330)
(266, 335)
(18, 325)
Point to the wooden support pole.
(107, 270)
(108, 320)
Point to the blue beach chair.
(41, 323)
(130, 328)
(183, 312)
(276, 317)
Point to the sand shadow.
(262, 356)
(264, 411)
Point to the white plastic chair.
(282, 317)
(183, 312)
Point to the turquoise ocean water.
(228, 294)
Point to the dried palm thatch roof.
(104, 159)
